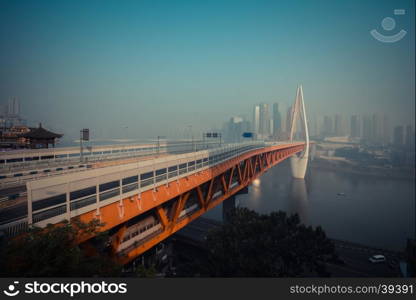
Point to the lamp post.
(203, 141)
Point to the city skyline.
(374, 127)
(364, 127)
(117, 66)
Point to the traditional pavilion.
(40, 137)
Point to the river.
(374, 211)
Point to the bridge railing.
(16, 169)
(51, 200)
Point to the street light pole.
(158, 145)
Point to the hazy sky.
(158, 66)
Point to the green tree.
(54, 252)
(146, 272)
(255, 245)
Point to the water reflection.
(351, 216)
(256, 189)
(298, 199)
(256, 182)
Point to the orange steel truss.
(202, 185)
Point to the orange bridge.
(142, 203)
(142, 220)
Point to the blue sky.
(159, 66)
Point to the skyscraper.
(277, 121)
(319, 125)
(367, 128)
(313, 125)
(398, 136)
(386, 130)
(355, 127)
(10, 113)
(377, 129)
(328, 128)
(408, 137)
(13, 107)
(235, 128)
(256, 119)
(264, 121)
(338, 125)
(288, 122)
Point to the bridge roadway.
(13, 199)
(17, 167)
(12, 193)
(144, 202)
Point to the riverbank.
(352, 168)
(353, 257)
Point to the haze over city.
(140, 69)
(207, 139)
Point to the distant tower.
(377, 129)
(398, 136)
(277, 121)
(386, 130)
(299, 163)
(328, 129)
(10, 108)
(264, 124)
(355, 126)
(256, 119)
(338, 124)
(234, 129)
(408, 136)
(367, 128)
(16, 106)
(288, 122)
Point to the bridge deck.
(11, 194)
(149, 199)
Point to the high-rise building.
(10, 114)
(338, 125)
(377, 128)
(288, 122)
(367, 128)
(235, 128)
(313, 125)
(328, 128)
(264, 122)
(355, 127)
(256, 119)
(408, 136)
(386, 130)
(398, 136)
(319, 125)
(277, 121)
(13, 107)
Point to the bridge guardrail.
(86, 191)
(16, 173)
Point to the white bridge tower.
(299, 162)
